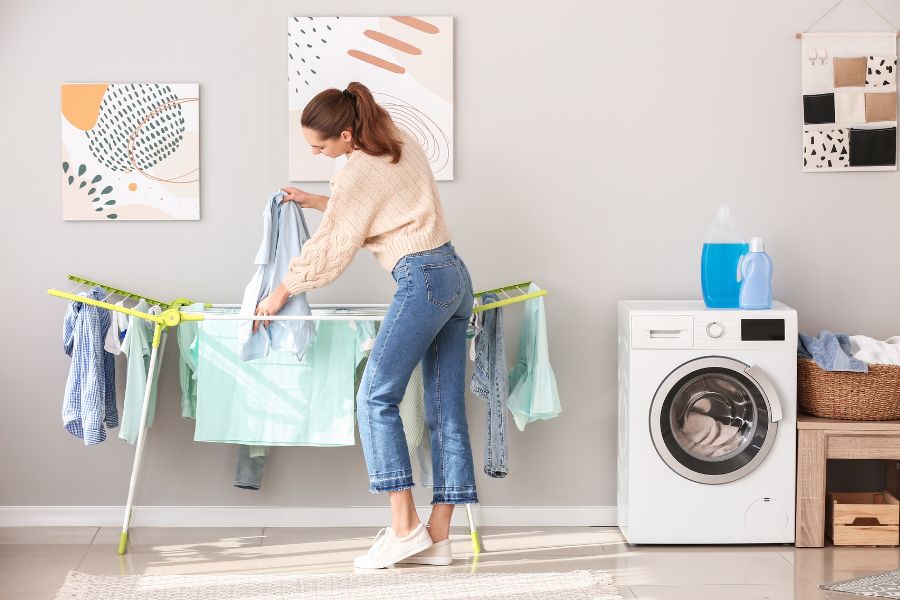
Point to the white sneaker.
(388, 548)
(438, 554)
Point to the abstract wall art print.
(407, 63)
(130, 151)
(849, 84)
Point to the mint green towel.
(532, 384)
(187, 332)
(137, 346)
(277, 400)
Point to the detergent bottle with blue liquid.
(719, 262)
(755, 275)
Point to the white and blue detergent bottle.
(755, 275)
(722, 251)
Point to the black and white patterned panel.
(881, 71)
(826, 149)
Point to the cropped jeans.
(426, 322)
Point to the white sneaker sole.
(385, 565)
(437, 561)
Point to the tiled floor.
(34, 561)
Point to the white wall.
(593, 142)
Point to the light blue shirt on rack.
(284, 232)
(90, 397)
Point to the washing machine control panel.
(715, 329)
(762, 330)
(718, 330)
(726, 331)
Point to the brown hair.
(333, 111)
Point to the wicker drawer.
(863, 519)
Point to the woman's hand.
(270, 305)
(305, 199)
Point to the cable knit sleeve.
(332, 247)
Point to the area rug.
(574, 585)
(880, 585)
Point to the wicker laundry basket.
(872, 396)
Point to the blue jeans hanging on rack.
(251, 465)
(425, 322)
(489, 382)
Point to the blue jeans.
(425, 322)
(251, 464)
(489, 382)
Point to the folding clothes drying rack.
(172, 316)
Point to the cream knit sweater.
(391, 209)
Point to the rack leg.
(142, 437)
(477, 546)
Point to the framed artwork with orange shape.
(130, 151)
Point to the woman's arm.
(324, 256)
(305, 199)
(279, 296)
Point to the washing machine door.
(714, 419)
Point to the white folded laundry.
(874, 351)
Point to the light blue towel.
(831, 351)
(284, 232)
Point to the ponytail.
(332, 112)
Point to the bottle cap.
(756, 244)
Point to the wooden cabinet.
(821, 439)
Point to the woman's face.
(331, 148)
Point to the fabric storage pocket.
(873, 147)
(443, 282)
(881, 106)
(850, 72)
(818, 108)
(881, 71)
(826, 148)
(849, 107)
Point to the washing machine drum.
(711, 420)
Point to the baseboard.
(278, 516)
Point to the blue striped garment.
(90, 399)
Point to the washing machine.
(706, 423)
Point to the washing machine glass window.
(710, 420)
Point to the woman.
(385, 199)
